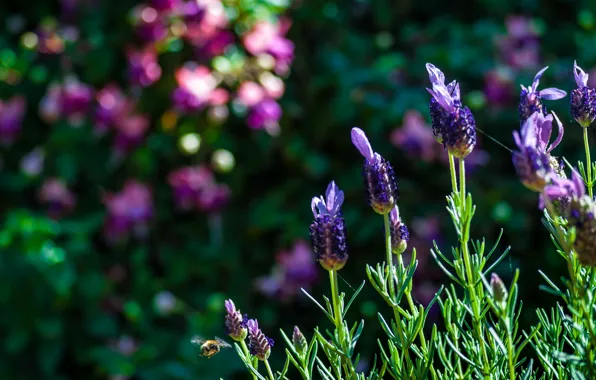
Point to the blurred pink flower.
(250, 93)
(415, 137)
(205, 22)
(70, 99)
(12, 113)
(129, 211)
(166, 5)
(130, 131)
(499, 86)
(266, 37)
(57, 197)
(293, 270)
(265, 115)
(111, 104)
(143, 68)
(196, 86)
(520, 47)
(195, 187)
(149, 24)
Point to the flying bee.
(209, 347)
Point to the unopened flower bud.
(499, 290)
(299, 341)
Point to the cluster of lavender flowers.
(481, 338)
(237, 62)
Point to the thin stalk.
(588, 163)
(247, 354)
(452, 171)
(389, 255)
(406, 351)
(348, 368)
(510, 354)
(478, 324)
(269, 370)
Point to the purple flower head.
(533, 161)
(380, 183)
(12, 113)
(150, 27)
(453, 124)
(531, 99)
(400, 235)
(129, 211)
(258, 344)
(143, 68)
(59, 199)
(328, 232)
(562, 188)
(415, 137)
(234, 322)
(583, 99)
(264, 115)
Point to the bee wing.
(222, 342)
(198, 340)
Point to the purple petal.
(578, 182)
(436, 76)
(552, 93)
(456, 94)
(581, 77)
(537, 79)
(559, 135)
(544, 130)
(518, 140)
(529, 131)
(442, 96)
(394, 215)
(253, 325)
(361, 143)
(230, 307)
(335, 198)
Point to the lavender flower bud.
(533, 162)
(299, 341)
(328, 232)
(258, 344)
(499, 290)
(379, 178)
(399, 233)
(560, 191)
(453, 124)
(581, 216)
(235, 323)
(530, 100)
(583, 98)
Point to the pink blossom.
(70, 99)
(111, 105)
(143, 68)
(268, 38)
(195, 187)
(196, 85)
(131, 130)
(58, 198)
(129, 211)
(149, 24)
(250, 93)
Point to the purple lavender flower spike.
(258, 344)
(234, 322)
(583, 98)
(453, 124)
(531, 98)
(400, 235)
(328, 232)
(379, 178)
(532, 162)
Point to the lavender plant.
(480, 335)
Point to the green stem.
(588, 163)
(510, 354)
(452, 170)
(389, 255)
(248, 356)
(269, 370)
(347, 365)
(472, 290)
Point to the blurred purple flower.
(195, 187)
(166, 5)
(498, 86)
(415, 137)
(129, 211)
(250, 93)
(57, 197)
(196, 86)
(204, 20)
(143, 68)
(268, 38)
(111, 105)
(33, 162)
(265, 115)
(131, 130)
(217, 44)
(76, 99)
(12, 113)
(520, 47)
(149, 24)
(294, 269)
